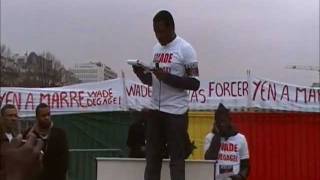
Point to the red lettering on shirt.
(226, 157)
(229, 147)
(163, 57)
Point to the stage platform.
(133, 169)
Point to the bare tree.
(5, 51)
(2, 49)
(38, 71)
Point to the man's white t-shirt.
(9, 136)
(177, 58)
(232, 150)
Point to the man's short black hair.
(41, 105)
(164, 16)
(5, 107)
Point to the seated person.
(228, 147)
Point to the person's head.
(163, 26)
(9, 116)
(43, 116)
(223, 120)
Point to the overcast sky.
(230, 36)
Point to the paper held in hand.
(137, 62)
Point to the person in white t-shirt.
(175, 72)
(228, 147)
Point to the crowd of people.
(36, 153)
(41, 152)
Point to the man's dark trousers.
(164, 128)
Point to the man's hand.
(22, 161)
(145, 77)
(160, 74)
(137, 69)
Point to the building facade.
(93, 71)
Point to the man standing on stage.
(175, 72)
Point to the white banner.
(86, 97)
(250, 93)
(232, 93)
(138, 95)
(268, 94)
(112, 96)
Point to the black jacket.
(3, 139)
(56, 155)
